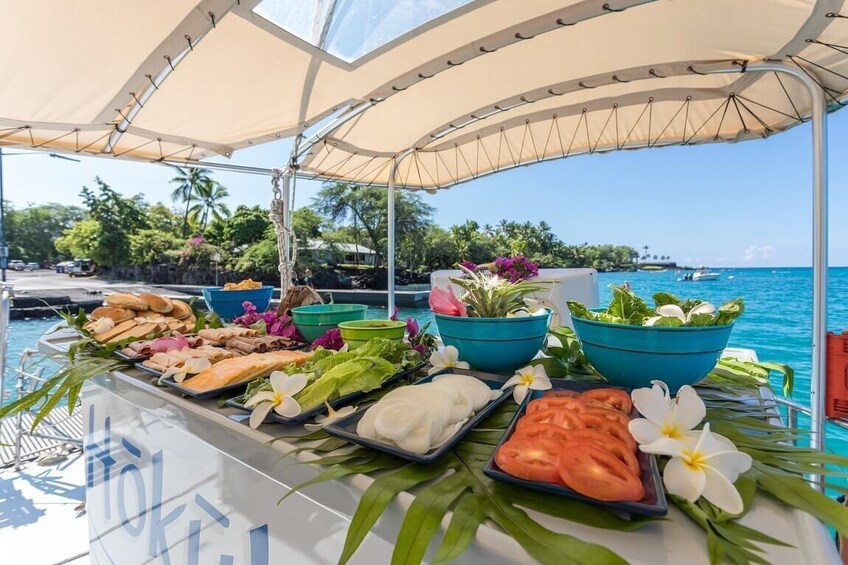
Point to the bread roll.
(125, 300)
(116, 314)
(161, 304)
(181, 310)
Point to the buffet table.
(175, 480)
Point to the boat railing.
(789, 410)
(29, 378)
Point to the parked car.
(64, 266)
(81, 268)
(17, 265)
(32, 266)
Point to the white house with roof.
(347, 253)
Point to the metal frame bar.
(390, 255)
(820, 241)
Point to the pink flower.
(445, 302)
(411, 327)
(332, 339)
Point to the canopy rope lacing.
(280, 215)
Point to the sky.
(721, 205)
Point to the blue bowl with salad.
(633, 356)
(631, 344)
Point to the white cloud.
(756, 252)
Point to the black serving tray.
(318, 410)
(345, 428)
(652, 504)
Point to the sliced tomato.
(560, 394)
(533, 459)
(598, 404)
(547, 431)
(610, 443)
(615, 397)
(564, 402)
(594, 472)
(613, 415)
(590, 470)
(560, 417)
(610, 427)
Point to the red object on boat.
(836, 395)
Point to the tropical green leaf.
(627, 306)
(663, 298)
(468, 514)
(668, 322)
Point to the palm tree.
(189, 181)
(210, 195)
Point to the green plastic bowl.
(358, 333)
(314, 321)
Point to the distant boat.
(705, 276)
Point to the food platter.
(653, 503)
(200, 395)
(237, 402)
(345, 428)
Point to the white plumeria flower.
(531, 377)
(279, 398)
(665, 417)
(102, 325)
(191, 366)
(675, 311)
(706, 467)
(447, 359)
(330, 417)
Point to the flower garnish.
(280, 398)
(531, 377)
(330, 417)
(102, 325)
(675, 311)
(706, 467)
(332, 339)
(190, 366)
(665, 417)
(446, 302)
(447, 359)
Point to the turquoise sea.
(776, 322)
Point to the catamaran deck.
(42, 521)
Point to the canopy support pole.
(390, 255)
(820, 245)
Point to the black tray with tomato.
(573, 441)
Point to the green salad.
(669, 311)
(332, 374)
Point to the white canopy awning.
(470, 87)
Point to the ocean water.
(776, 323)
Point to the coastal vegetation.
(186, 240)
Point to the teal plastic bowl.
(314, 321)
(495, 344)
(228, 303)
(633, 356)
